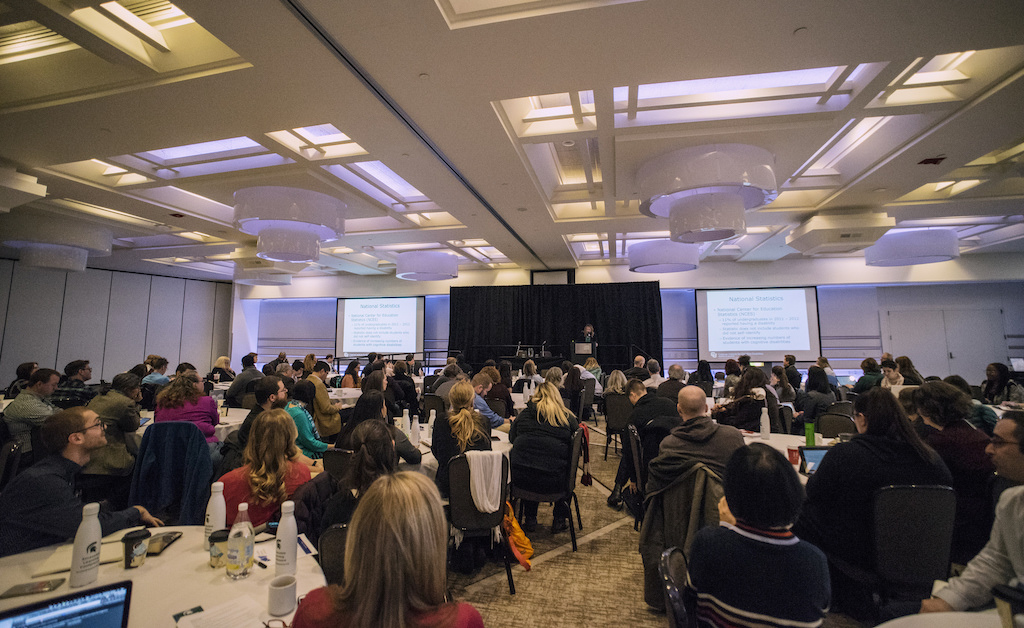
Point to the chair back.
(708, 388)
(831, 425)
(249, 401)
(519, 384)
(672, 569)
(587, 400)
(463, 513)
(635, 449)
(149, 391)
(842, 393)
(787, 419)
(250, 386)
(617, 410)
(978, 393)
(841, 407)
(498, 406)
(913, 528)
(337, 462)
(574, 460)
(172, 473)
(428, 381)
(10, 459)
(332, 553)
(432, 402)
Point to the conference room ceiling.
(507, 132)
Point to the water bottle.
(430, 423)
(766, 425)
(809, 433)
(241, 545)
(215, 513)
(287, 533)
(85, 556)
(405, 421)
(414, 432)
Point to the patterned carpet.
(599, 585)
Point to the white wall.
(112, 319)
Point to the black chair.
(248, 401)
(332, 553)
(672, 569)
(587, 400)
(617, 410)
(172, 473)
(831, 425)
(567, 494)
(498, 406)
(464, 516)
(841, 407)
(637, 450)
(428, 381)
(337, 461)
(432, 402)
(978, 393)
(149, 391)
(913, 532)
(519, 384)
(10, 459)
(787, 419)
(707, 387)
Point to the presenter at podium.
(588, 333)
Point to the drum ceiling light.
(427, 266)
(908, 248)
(705, 191)
(64, 244)
(250, 277)
(290, 223)
(663, 256)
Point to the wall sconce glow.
(427, 266)
(663, 256)
(908, 248)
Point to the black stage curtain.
(489, 321)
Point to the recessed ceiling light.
(519, 209)
(569, 143)
(177, 215)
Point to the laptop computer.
(810, 458)
(100, 607)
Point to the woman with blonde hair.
(616, 384)
(222, 369)
(541, 438)
(394, 564)
(307, 365)
(464, 430)
(594, 368)
(272, 471)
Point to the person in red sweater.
(394, 564)
(272, 472)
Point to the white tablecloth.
(780, 442)
(945, 620)
(178, 579)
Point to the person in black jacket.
(465, 429)
(654, 417)
(541, 438)
(405, 389)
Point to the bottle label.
(240, 555)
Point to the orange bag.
(521, 547)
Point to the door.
(921, 335)
(974, 338)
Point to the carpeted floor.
(599, 585)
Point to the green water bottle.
(809, 433)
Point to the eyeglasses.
(86, 429)
(999, 442)
(276, 623)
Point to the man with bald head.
(639, 370)
(699, 438)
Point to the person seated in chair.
(23, 372)
(235, 392)
(72, 391)
(752, 570)
(119, 411)
(1001, 561)
(39, 507)
(30, 409)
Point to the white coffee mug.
(282, 596)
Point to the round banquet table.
(945, 620)
(180, 578)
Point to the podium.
(579, 351)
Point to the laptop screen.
(102, 607)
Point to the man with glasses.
(73, 391)
(40, 506)
(1002, 559)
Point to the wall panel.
(6, 270)
(221, 322)
(33, 319)
(127, 317)
(86, 300)
(197, 324)
(163, 330)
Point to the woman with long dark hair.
(702, 375)
(780, 382)
(837, 516)
(998, 387)
(732, 378)
(817, 397)
(371, 407)
(351, 378)
(749, 397)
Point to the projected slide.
(765, 324)
(390, 325)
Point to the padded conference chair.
(428, 381)
(831, 425)
(636, 449)
(464, 516)
(587, 400)
(841, 407)
(337, 461)
(432, 402)
(172, 473)
(10, 459)
(617, 410)
(787, 419)
(498, 406)
(672, 569)
(913, 531)
(332, 553)
(568, 493)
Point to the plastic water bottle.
(215, 513)
(287, 533)
(809, 433)
(85, 556)
(241, 545)
(766, 425)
